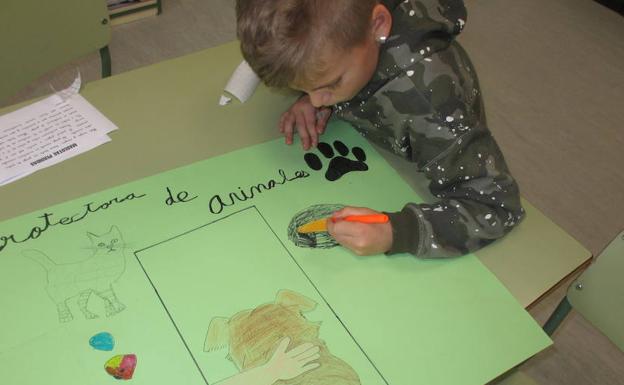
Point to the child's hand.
(309, 121)
(361, 238)
(285, 365)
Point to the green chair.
(37, 36)
(598, 295)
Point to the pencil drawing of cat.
(93, 275)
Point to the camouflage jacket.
(424, 104)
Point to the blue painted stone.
(102, 341)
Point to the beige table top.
(168, 117)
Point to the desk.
(168, 116)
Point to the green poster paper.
(166, 263)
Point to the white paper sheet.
(47, 132)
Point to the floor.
(571, 166)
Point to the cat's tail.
(40, 258)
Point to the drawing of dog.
(253, 334)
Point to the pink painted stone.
(121, 366)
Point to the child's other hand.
(361, 238)
(308, 120)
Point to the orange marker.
(365, 218)
(321, 224)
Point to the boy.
(394, 71)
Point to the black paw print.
(338, 165)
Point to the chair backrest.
(37, 36)
(598, 293)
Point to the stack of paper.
(49, 131)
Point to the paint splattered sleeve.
(450, 143)
(479, 202)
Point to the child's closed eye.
(335, 84)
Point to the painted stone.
(102, 341)
(121, 366)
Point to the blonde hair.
(286, 41)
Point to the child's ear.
(381, 22)
(218, 335)
(291, 298)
